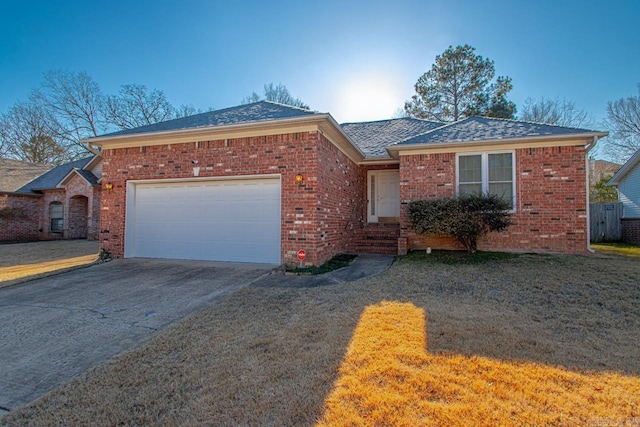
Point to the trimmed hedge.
(466, 218)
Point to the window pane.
(56, 210)
(503, 190)
(464, 189)
(470, 169)
(56, 224)
(500, 167)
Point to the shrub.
(466, 218)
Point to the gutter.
(397, 148)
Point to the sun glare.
(367, 99)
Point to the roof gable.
(374, 137)
(488, 129)
(247, 113)
(88, 176)
(625, 169)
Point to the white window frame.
(59, 220)
(484, 155)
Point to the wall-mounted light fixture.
(299, 179)
(109, 187)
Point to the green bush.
(466, 218)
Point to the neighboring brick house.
(259, 182)
(627, 179)
(62, 203)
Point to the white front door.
(384, 196)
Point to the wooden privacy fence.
(605, 221)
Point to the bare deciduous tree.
(134, 106)
(73, 108)
(555, 112)
(28, 132)
(76, 100)
(623, 123)
(276, 93)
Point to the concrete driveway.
(56, 328)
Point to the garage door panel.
(230, 220)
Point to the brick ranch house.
(62, 203)
(259, 182)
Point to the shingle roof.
(373, 137)
(15, 173)
(89, 176)
(487, 129)
(258, 111)
(52, 178)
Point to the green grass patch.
(338, 261)
(625, 249)
(459, 257)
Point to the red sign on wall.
(302, 254)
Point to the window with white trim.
(55, 214)
(487, 173)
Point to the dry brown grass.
(271, 356)
(388, 378)
(22, 261)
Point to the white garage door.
(223, 220)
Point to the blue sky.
(356, 60)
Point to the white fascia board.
(522, 142)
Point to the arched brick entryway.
(78, 217)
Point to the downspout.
(588, 148)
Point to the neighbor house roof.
(492, 129)
(625, 169)
(15, 173)
(374, 137)
(255, 112)
(52, 178)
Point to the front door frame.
(375, 196)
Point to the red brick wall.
(631, 230)
(19, 217)
(424, 177)
(550, 200)
(287, 155)
(339, 198)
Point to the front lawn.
(624, 249)
(20, 262)
(526, 340)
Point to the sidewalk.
(365, 265)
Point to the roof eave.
(395, 149)
(91, 163)
(321, 121)
(378, 160)
(336, 133)
(194, 134)
(18, 193)
(625, 169)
